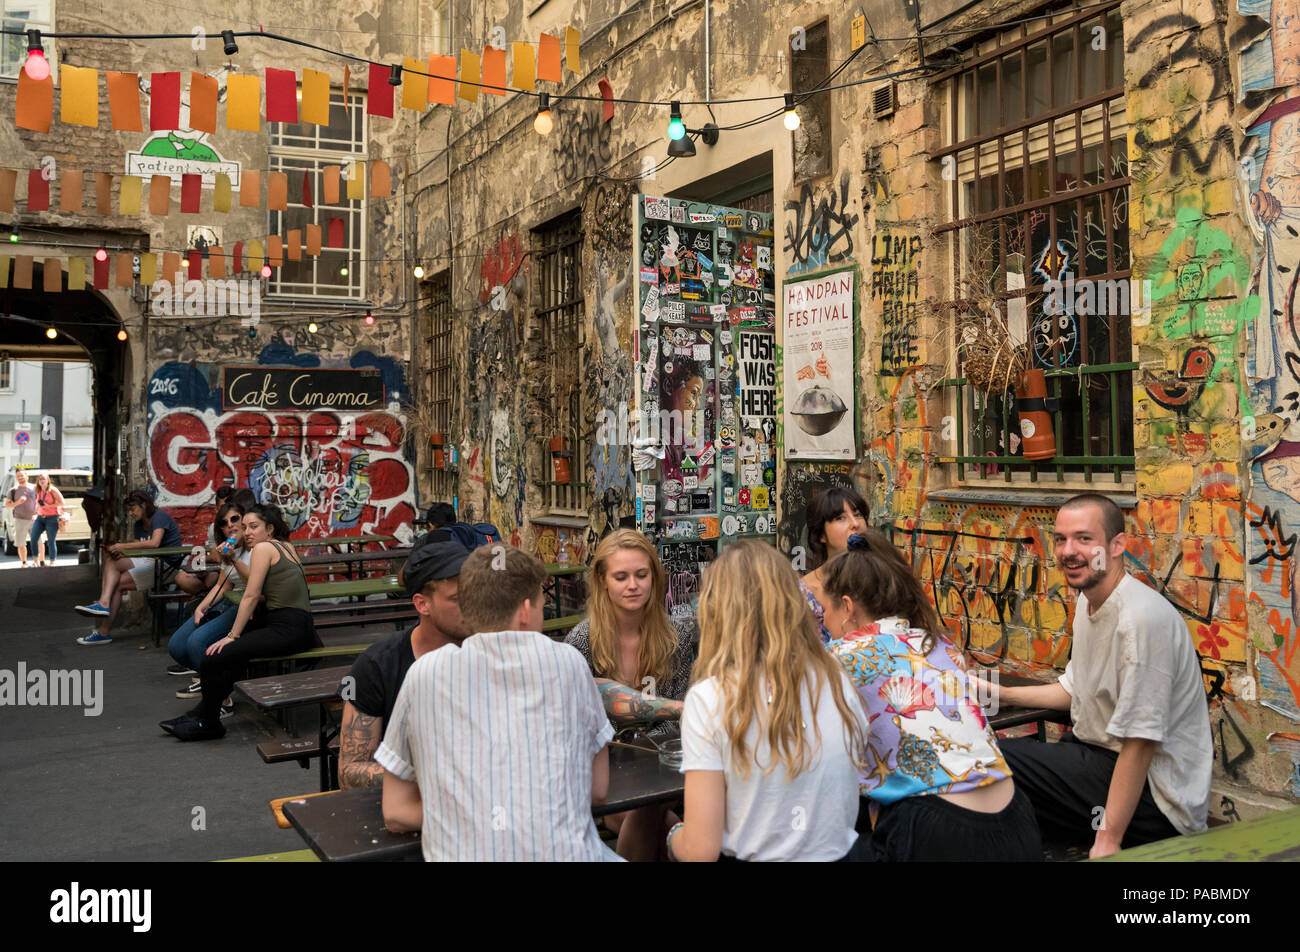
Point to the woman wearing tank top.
(276, 575)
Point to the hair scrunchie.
(858, 543)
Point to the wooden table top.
(296, 543)
(1274, 838)
(290, 690)
(375, 555)
(380, 585)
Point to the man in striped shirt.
(496, 749)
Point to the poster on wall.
(819, 367)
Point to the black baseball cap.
(431, 562)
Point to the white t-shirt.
(1133, 672)
(499, 732)
(771, 818)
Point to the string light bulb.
(791, 117)
(343, 271)
(121, 335)
(51, 333)
(228, 38)
(13, 235)
(370, 319)
(101, 254)
(252, 333)
(312, 328)
(543, 124)
(676, 128)
(395, 75)
(37, 66)
(266, 270)
(418, 272)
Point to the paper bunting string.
(124, 101)
(71, 190)
(442, 80)
(281, 95)
(469, 74)
(191, 189)
(34, 104)
(38, 192)
(128, 195)
(243, 94)
(52, 273)
(607, 93)
(525, 71)
(164, 101)
(379, 95)
(347, 82)
(204, 94)
(494, 71)
(315, 97)
(237, 258)
(549, 68)
(78, 96)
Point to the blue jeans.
(189, 643)
(50, 526)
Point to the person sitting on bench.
(431, 579)
(1137, 767)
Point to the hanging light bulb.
(51, 333)
(266, 270)
(252, 333)
(676, 128)
(418, 272)
(370, 320)
(228, 39)
(395, 75)
(542, 125)
(121, 335)
(101, 254)
(791, 117)
(343, 271)
(37, 66)
(13, 235)
(312, 328)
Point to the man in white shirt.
(496, 749)
(1137, 766)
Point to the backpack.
(471, 536)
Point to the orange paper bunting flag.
(128, 195)
(313, 239)
(494, 71)
(243, 102)
(23, 271)
(124, 276)
(442, 80)
(293, 244)
(160, 195)
(275, 251)
(76, 274)
(204, 92)
(78, 96)
(124, 101)
(277, 191)
(315, 97)
(103, 193)
(38, 192)
(250, 189)
(35, 103)
(171, 265)
(52, 273)
(216, 262)
(549, 67)
(381, 179)
(8, 185)
(329, 193)
(525, 71)
(415, 87)
(469, 76)
(347, 81)
(71, 188)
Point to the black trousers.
(284, 631)
(1068, 783)
(928, 829)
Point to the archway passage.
(86, 326)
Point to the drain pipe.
(707, 71)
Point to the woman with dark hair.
(938, 786)
(685, 393)
(276, 575)
(153, 529)
(832, 516)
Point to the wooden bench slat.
(348, 621)
(293, 748)
(313, 654)
(555, 624)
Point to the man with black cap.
(431, 578)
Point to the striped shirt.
(499, 733)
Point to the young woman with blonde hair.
(641, 658)
(938, 784)
(773, 732)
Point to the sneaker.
(94, 610)
(95, 638)
(198, 729)
(171, 725)
(181, 670)
(227, 710)
(195, 689)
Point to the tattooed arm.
(626, 706)
(358, 740)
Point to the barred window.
(23, 15)
(439, 381)
(557, 267)
(303, 147)
(6, 376)
(1036, 182)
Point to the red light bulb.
(101, 255)
(370, 320)
(266, 270)
(37, 66)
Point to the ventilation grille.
(883, 100)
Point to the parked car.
(73, 483)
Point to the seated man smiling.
(496, 748)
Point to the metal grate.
(1036, 175)
(557, 263)
(439, 378)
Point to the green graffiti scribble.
(1213, 259)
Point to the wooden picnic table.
(353, 588)
(280, 692)
(1273, 838)
(349, 559)
(348, 826)
(164, 552)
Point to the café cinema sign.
(295, 388)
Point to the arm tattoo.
(357, 745)
(626, 706)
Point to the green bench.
(296, 856)
(561, 625)
(1274, 838)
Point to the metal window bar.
(1060, 202)
(560, 314)
(439, 378)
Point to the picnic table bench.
(282, 692)
(1271, 839)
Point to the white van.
(72, 483)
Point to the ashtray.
(670, 752)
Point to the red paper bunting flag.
(191, 188)
(336, 233)
(607, 93)
(38, 192)
(281, 95)
(101, 274)
(195, 265)
(164, 101)
(237, 258)
(306, 188)
(379, 100)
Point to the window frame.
(45, 26)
